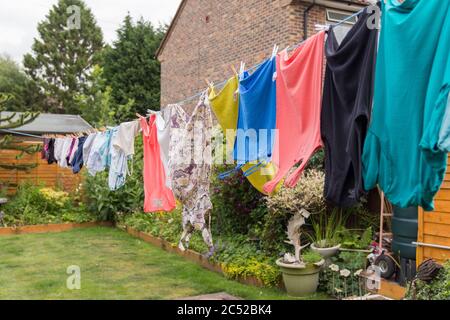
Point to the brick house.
(207, 36)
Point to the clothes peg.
(234, 70)
(321, 27)
(274, 51)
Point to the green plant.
(354, 239)
(311, 257)
(308, 195)
(101, 201)
(39, 205)
(341, 279)
(436, 289)
(325, 229)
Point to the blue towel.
(257, 111)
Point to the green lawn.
(113, 265)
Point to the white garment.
(95, 161)
(87, 147)
(67, 142)
(122, 150)
(59, 144)
(124, 139)
(163, 127)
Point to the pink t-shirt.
(299, 90)
(158, 197)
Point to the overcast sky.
(19, 19)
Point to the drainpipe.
(305, 19)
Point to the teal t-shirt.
(412, 82)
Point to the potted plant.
(300, 271)
(324, 237)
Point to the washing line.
(198, 94)
(21, 133)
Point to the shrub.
(437, 289)
(38, 205)
(106, 203)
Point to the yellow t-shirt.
(225, 106)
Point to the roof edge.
(170, 29)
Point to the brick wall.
(210, 35)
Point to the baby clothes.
(95, 161)
(157, 196)
(87, 147)
(225, 105)
(77, 161)
(122, 150)
(412, 84)
(347, 103)
(51, 151)
(299, 89)
(190, 168)
(64, 151)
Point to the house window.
(335, 16)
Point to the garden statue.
(294, 234)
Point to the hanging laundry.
(95, 162)
(190, 168)
(62, 152)
(77, 161)
(225, 105)
(122, 151)
(44, 151)
(444, 132)
(87, 147)
(163, 127)
(299, 89)
(346, 108)
(51, 151)
(257, 115)
(72, 150)
(412, 84)
(157, 196)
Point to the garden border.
(188, 254)
(50, 228)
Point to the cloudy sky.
(19, 18)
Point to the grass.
(113, 265)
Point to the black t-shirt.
(346, 107)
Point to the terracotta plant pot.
(300, 280)
(326, 253)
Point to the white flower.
(170, 220)
(358, 272)
(334, 267)
(345, 273)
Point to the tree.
(23, 92)
(7, 142)
(130, 66)
(64, 54)
(97, 106)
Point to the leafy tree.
(98, 108)
(130, 66)
(7, 142)
(63, 55)
(23, 92)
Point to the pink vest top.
(299, 90)
(158, 197)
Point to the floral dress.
(190, 167)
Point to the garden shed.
(32, 133)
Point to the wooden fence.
(434, 227)
(49, 175)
